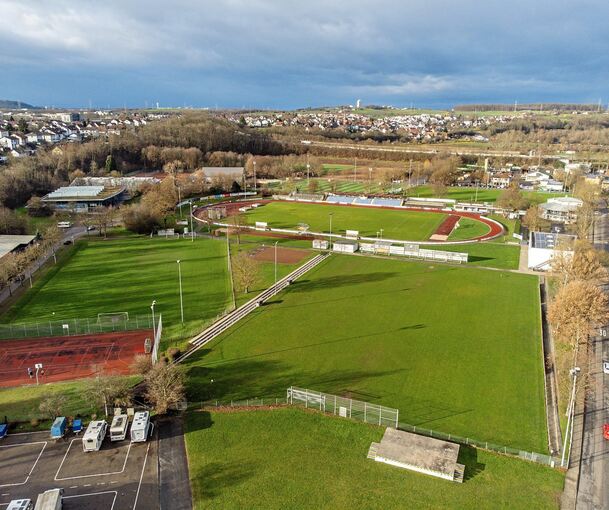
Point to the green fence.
(71, 327)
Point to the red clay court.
(69, 357)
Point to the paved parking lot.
(121, 476)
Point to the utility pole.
(192, 232)
(570, 412)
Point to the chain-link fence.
(343, 406)
(71, 327)
(540, 458)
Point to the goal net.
(112, 319)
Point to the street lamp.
(570, 412)
(276, 262)
(181, 299)
(152, 308)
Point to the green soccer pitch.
(290, 458)
(125, 274)
(454, 349)
(403, 225)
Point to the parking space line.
(88, 476)
(139, 485)
(44, 445)
(95, 494)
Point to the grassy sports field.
(290, 458)
(483, 195)
(405, 225)
(125, 274)
(455, 349)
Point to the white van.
(118, 428)
(94, 436)
(64, 224)
(141, 427)
(20, 504)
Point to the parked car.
(606, 367)
(606, 431)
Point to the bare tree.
(583, 264)
(53, 405)
(533, 220)
(108, 390)
(165, 386)
(246, 271)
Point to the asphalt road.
(593, 492)
(121, 476)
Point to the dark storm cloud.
(288, 53)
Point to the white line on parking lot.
(139, 485)
(95, 494)
(88, 476)
(44, 443)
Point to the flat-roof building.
(84, 198)
(544, 246)
(561, 209)
(14, 243)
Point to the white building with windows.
(561, 209)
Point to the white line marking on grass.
(139, 485)
(88, 476)
(95, 494)
(44, 443)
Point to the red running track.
(447, 226)
(70, 357)
(495, 228)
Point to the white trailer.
(20, 504)
(141, 427)
(118, 428)
(94, 436)
(49, 500)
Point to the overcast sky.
(288, 54)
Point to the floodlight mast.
(180, 284)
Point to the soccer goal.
(112, 319)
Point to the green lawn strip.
(407, 225)
(437, 342)
(21, 403)
(462, 194)
(127, 274)
(291, 458)
(488, 254)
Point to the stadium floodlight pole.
(180, 282)
(255, 188)
(331, 214)
(276, 262)
(152, 308)
(192, 232)
(381, 233)
(370, 180)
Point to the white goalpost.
(111, 319)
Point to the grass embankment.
(438, 342)
(290, 458)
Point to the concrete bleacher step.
(459, 473)
(372, 450)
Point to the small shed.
(320, 244)
(345, 246)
